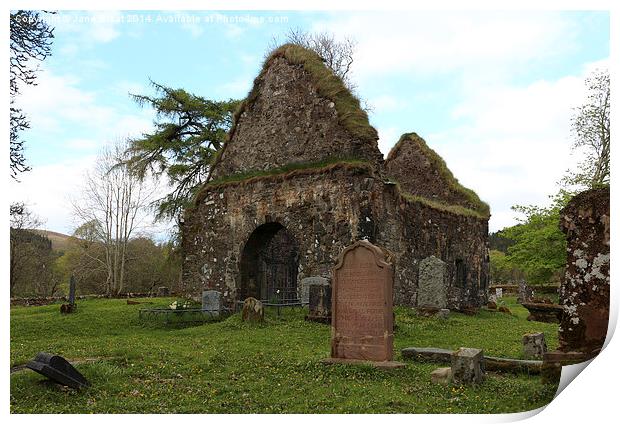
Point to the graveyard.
(233, 366)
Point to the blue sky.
(491, 92)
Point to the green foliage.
(502, 270)
(539, 247)
(188, 132)
(474, 203)
(233, 367)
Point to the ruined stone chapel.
(301, 177)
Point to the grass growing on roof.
(286, 171)
(235, 367)
(480, 207)
(328, 85)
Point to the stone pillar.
(584, 292)
(467, 366)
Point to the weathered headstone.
(212, 302)
(534, 345)
(498, 292)
(467, 366)
(68, 308)
(163, 292)
(320, 306)
(525, 293)
(253, 310)
(362, 320)
(432, 283)
(58, 369)
(305, 287)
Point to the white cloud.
(47, 191)
(387, 138)
(439, 42)
(515, 144)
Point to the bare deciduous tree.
(337, 55)
(591, 128)
(113, 204)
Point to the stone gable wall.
(287, 123)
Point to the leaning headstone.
(498, 292)
(320, 306)
(467, 366)
(253, 310)
(58, 369)
(212, 302)
(362, 319)
(432, 283)
(584, 291)
(163, 292)
(305, 287)
(534, 345)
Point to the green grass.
(231, 366)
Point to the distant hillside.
(59, 241)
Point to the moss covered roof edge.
(482, 208)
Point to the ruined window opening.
(461, 273)
(269, 265)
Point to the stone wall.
(288, 122)
(584, 292)
(326, 210)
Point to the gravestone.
(499, 292)
(212, 302)
(362, 319)
(525, 293)
(467, 366)
(68, 308)
(163, 291)
(253, 310)
(534, 345)
(58, 369)
(432, 283)
(320, 306)
(305, 287)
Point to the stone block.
(441, 375)
(534, 346)
(305, 287)
(467, 366)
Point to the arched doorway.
(269, 264)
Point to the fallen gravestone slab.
(489, 363)
(58, 369)
(427, 354)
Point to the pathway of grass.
(231, 366)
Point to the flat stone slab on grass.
(376, 364)
(442, 375)
(490, 363)
(427, 354)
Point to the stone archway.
(269, 264)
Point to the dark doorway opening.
(269, 265)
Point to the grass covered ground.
(234, 367)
